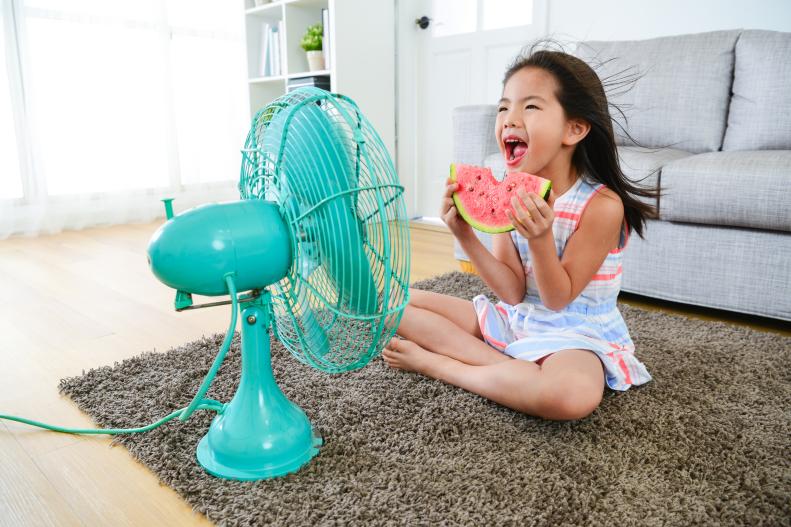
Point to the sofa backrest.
(760, 109)
(681, 101)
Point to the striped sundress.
(530, 331)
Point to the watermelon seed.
(478, 176)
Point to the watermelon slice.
(482, 200)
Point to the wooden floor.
(79, 300)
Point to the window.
(208, 69)
(498, 14)
(99, 100)
(10, 176)
(121, 103)
(453, 17)
(209, 135)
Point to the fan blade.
(316, 165)
(315, 336)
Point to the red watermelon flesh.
(482, 200)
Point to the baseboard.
(419, 223)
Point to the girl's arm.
(507, 280)
(560, 282)
(501, 271)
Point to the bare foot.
(407, 355)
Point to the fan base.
(210, 464)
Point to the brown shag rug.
(705, 443)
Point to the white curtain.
(107, 106)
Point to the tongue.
(519, 150)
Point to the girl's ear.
(576, 130)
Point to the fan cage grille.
(312, 317)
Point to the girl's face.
(531, 124)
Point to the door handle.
(423, 22)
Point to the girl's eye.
(500, 109)
(531, 106)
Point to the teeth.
(513, 142)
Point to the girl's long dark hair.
(582, 96)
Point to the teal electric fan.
(317, 249)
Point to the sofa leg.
(467, 267)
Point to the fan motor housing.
(194, 251)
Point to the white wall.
(366, 73)
(575, 20)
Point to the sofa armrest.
(473, 133)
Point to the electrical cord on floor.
(206, 404)
(197, 403)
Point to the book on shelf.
(265, 65)
(281, 47)
(272, 46)
(275, 45)
(326, 41)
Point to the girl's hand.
(531, 216)
(450, 215)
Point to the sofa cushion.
(642, 165)
(760, 112)
(681, 101)
(740, 189)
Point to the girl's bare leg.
(447, 325)
(436, 333)
(569, 384)
(459, 311)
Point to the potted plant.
(311, 43)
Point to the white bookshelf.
(361, 61)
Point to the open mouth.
(515, 150)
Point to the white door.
(458, 59)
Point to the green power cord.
(226, 344)
(197, 403)
(207, 404)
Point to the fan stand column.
(260, 434)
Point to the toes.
(392, 353)
(388, 359)
(390, 346)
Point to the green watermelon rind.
(545, 188)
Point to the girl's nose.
(510, 119)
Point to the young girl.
(556, 336)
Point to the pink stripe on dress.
(608, 276)
(485, 332)
(567, 215)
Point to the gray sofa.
(714, 110)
